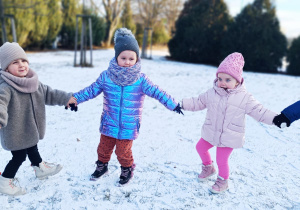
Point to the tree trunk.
(4, 35)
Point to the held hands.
(279, 119)
(72, 103)
(178, 109)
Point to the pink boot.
(207, 171)
(220, 185)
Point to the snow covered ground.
(265, 174)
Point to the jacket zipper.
(121, 103)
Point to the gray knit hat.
(10, 52)
(125, 40)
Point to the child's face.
(18, 68)
(127, 58)
(226, 81)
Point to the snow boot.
(220, 185)
(207, 171)
(9, 187)
(126, 174)
(46, 169)
(101, 169)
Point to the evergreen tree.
(98, 26)
(24, 20)
(54, 21)
(70, 9)
(126, 18)
(160, 34)
(256, 34)
(293, 57)
(199, 30)
(139, 34)
(38, 33)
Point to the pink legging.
(223, 154)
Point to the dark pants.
(18, 157)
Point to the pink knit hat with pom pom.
(233, 65)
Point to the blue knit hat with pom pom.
(125, 40)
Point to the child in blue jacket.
(124, 88)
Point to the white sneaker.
(46, 169)
(9, 187)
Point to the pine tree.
(256, 34)
(199, 31)
(70, 9)
(98, 26)
(24, 19)
(126, 18)
(38, 33)
(293, 57)
(54, 22)
(160, 34)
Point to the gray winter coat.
(22, 115)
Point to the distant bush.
(99, 27)
(127, 18)
(37, 24)
(70, 9)
(160, 34)
(199, 31)
(256, 34)
(293, 57)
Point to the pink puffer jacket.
(224, 125)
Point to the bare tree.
(112, 10)
(150, 11)
(172, 11)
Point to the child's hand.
(178, 109)
(72, 103)
(72, 100)
(73, 107)
(279, 119)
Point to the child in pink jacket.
(227, 104)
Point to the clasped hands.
(72, 103)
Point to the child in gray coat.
(22, 116)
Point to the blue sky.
(288, 12)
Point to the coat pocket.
(236, 128)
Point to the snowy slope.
(265, 174)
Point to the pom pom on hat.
(10, 52)
(233, 65)
(125, 40)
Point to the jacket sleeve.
(155, 92)
(258, 112)
(292, 112)
(4, 100)
(55, 97)
(195, 103)
(90, 92)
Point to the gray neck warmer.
(124, 76)
(28, 84)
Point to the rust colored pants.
(123, 150)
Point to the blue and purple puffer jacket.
(123, 105)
